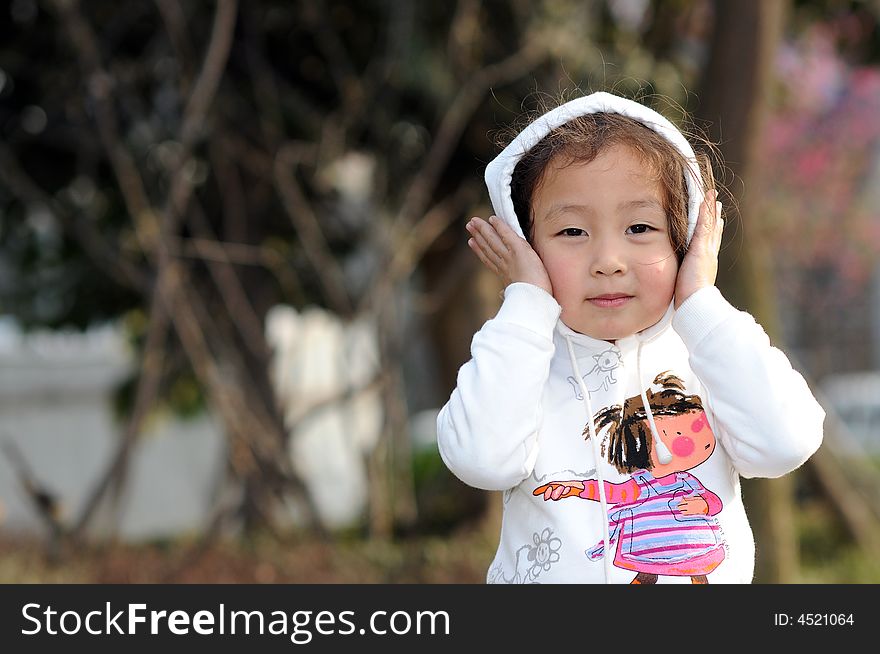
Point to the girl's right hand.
(507, 254)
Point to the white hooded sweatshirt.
(705, 376)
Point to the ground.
(461, 557)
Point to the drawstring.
(595, 441)
(663, 454)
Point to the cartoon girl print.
(663, 519)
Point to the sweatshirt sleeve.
(768, 419)
(487, 432)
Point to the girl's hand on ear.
(507, 254)
(700, 265)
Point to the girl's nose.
(609, 260)
(608, 269)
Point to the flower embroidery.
(538, 558)
(544, 553)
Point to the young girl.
(607, 240)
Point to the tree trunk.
(733, 98)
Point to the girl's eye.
(639, 229)
(573, 231)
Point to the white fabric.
(594, 440)
(516, 418)
(514, 423)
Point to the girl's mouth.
(610, 300)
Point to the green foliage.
(828, 554)
(443, 501)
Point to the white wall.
(55, 407)
(56, 394)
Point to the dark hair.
(584, 138)
(629, 437)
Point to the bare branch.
(232, 291)
(331, 399)
(400, 19)
(100, 85)
(409, 252)
(241, 254)
(341, 66)
(44, 501)
(229, 183)
(251, 428)
(409, 249)
(262, 77)
(81, 229)
(463, 34)
(459, 267)
(145, 398)
(248, 422)
(254, 435)
(454, 122)
(196, 108)
(209, 249)
(308, 228)
(212, 70)
(380, 71)
(175, 24)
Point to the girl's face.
(602, 234)
(688, 438)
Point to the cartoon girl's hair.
(629, 438)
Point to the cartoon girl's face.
(688, 438)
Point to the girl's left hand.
(700, 265)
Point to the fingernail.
(492, 219)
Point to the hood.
(500, 169)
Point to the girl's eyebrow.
(642, 203)
(558, 210)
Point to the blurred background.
(235, 288)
